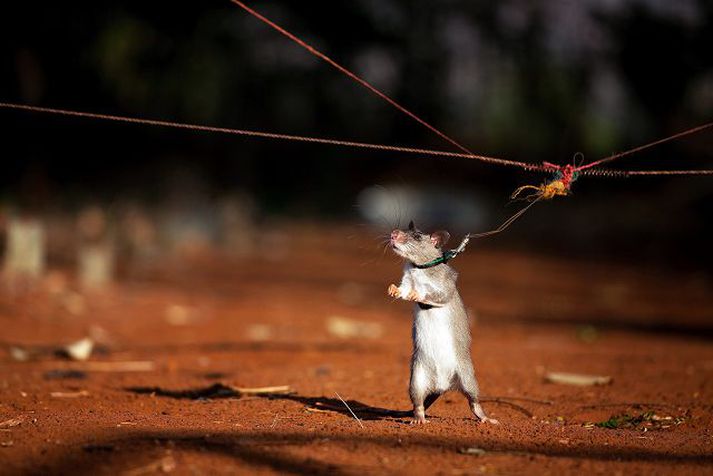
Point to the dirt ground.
(281, 318)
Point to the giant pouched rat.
(441, 334)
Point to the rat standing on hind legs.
(441, 334)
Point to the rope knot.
(565, 173)
(559, 186)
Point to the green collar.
(446, 256)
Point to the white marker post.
(95, 256)
(24, 262)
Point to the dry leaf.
(80, 393)
(577, 379)
(80, 350)
(12, 422)
(349, 328)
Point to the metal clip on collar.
(447, 255)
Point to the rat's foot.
(419, 421)
(413, 296)
(419, 416)
(394, 291)
(480, 415)
(492, 421)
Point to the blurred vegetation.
(525, 80)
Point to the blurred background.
(145, 267)
(523, 80)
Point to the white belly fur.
(434, 346)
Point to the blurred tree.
(527, 80)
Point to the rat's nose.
(396, 236)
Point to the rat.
(441, 334)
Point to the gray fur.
(440, 320)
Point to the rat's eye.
(417, 237)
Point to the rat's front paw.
(394, 291)
(413, 296)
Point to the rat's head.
(416, 246)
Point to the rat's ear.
(440, 238)
(411, 226)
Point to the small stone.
(472, 451)
(80, 350)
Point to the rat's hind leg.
(469, 387)
(479, 412)
(419, 390)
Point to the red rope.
(266, 135)
(568, 173)
(546, 166)
(375, 90)
(646, 146)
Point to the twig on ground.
(580, 380)
(263, 390)
(12, 422)
(517, 407)
(278, 418)
(108, 366)
(645, 421)
(485, 398)
(217, 390)
(630, 404)
(350, 410)
(80, 393)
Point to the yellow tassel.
(546, 191)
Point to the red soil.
(652, 336)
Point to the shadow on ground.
(274, 450)
(219, 390)
(349, 408)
